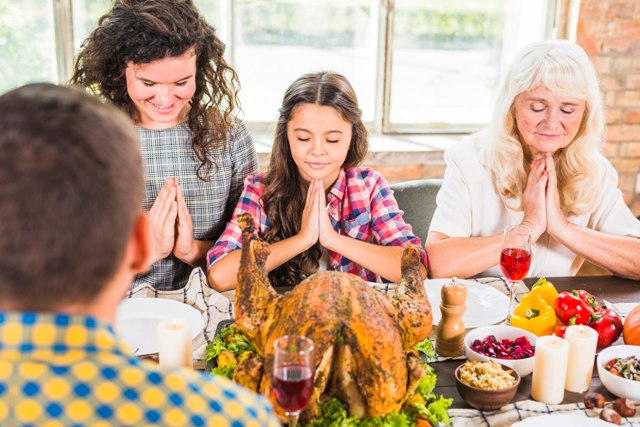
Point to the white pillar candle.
(582, 351)
(549, 369)
(174, 344)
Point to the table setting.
(568, 408)
(569, 328)
(486, 307)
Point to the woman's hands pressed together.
(541, 200)
(556, 219)
(534, 199)
(542, 213)
(185, 248)
(171, 227)
(162, 220)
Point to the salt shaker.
(450, 338)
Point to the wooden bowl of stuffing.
(486, 386)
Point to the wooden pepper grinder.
(450, 338)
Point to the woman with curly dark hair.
(163, 64)
(316, 206)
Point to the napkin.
(622, 308)
(518, 411)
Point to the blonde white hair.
(563, 68)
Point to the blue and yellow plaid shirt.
(71, 370)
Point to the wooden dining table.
(613, 289)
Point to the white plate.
(137, 321)
(485, 305)
(561, 420)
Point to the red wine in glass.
(292, 379)
(292, 386)
(515, 263)
(515, 259)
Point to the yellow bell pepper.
(534, 314)
(546, 290)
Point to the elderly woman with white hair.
(538, 164)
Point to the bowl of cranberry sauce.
(507, 345)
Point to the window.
(85, 18)
(27, 46)
(418, 66)
(275, 42)
(447, 58)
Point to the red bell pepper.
(589, 299)
(608, 326)
(560, 329)
(571, 310)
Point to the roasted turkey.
(363, 339)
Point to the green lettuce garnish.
(426, 347)
(428, 383)
(229, 339)
(226, 371)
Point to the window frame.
(381, 124)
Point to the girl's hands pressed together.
(162, 220)
(309, 227)
(327, 234)
(316, 224)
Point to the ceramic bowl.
(522, 366)
(487, 400)
(619, 386)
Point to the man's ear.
(140, 254)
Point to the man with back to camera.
(72, 238)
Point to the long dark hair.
(142, 31)
(285, 191)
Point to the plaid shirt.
(168, 153)
(71, 370)
(360, 205)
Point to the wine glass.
(292, 374)
(515, 259)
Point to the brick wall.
(609, 30)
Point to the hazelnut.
(593, 400)
(624, 407)
(610, 416)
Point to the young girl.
(315, 205)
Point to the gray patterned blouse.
(168, 153)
